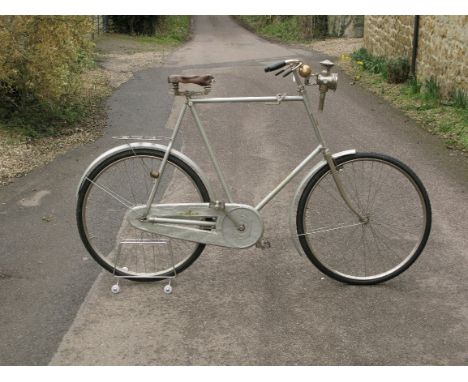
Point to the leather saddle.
(204, 80)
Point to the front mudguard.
(297, 197)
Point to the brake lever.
(288, 72)
(292, 69)
(279, 72)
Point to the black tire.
(138, 161)
(383, 189)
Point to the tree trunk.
(314, 26)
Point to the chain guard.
(224, 232)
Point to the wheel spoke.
(328, 229)
(378, 186)
(356, 193)
(365, 251)
(349, 249)
(332, 191)
(383, 240)
(114, 195)
(130, 183)
(399, 231)
(109, 224)
(377, 189)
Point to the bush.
(394, 70)
(397, 70)
(288, 28)
(373, 64)
(431, 90)
(173, 28)
(419, 100)
(135, 25)
(460, 99)
(414, 85)
(41, 58)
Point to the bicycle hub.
(326, 81)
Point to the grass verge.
(171, 31)
(287, 30)
(422, 102)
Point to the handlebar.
(325, 79)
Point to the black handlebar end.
(274, 66)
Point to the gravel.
(336, 47)
(118, 58)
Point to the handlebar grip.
(274, 66)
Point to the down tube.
(286, 180)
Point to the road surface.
(248, 307)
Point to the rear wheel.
(398, 219)
(121, 182)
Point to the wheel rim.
(364, 251)
(125, 183)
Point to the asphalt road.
(248, 307)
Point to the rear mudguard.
(146, 145)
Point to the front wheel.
(108, 194)
(397, 221)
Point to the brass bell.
(305, 71)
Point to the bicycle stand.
(146, 244)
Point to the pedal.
(263, 244)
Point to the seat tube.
(210, 152)
(164, 161)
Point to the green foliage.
(393, 70)
(135, 25)
(360, 55)
(173, 29)
(413, 86)
(421, 101)
(287, 28)
(160, 29)
(280, 27)
(315, 26)
(397, 70)
(460, 99)
(431, 90)
(45, 119)
(41, 59)
(369, 62)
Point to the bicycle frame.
(370, 179)
(321, 147)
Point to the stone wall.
(389, 36)
(442, 48)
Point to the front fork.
(341, 188)
(326, 152)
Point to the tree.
(141, 25)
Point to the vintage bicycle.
(361, 218)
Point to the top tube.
(276, 99)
